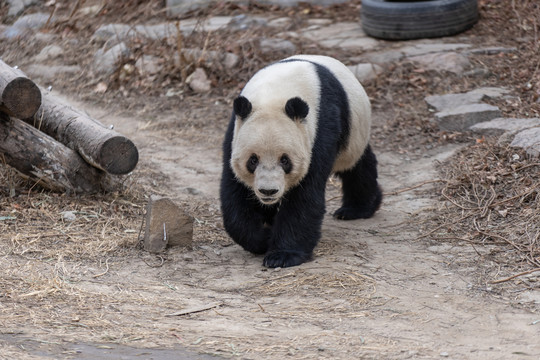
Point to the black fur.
(361, 193)
(296, 108)
(288, 232)
(242, 107)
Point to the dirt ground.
(377, 288)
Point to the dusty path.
(374, 290)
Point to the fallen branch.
(514, 276)
(414, 187)
(195, 309)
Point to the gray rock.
(198, 81)
(16, 7)
(272, 45)
(48, 73)
(452, 101)
(500, 125)
(243, 22)
(427, 48)
(344, 35)
(450, 61)
(179, 7)
(209, 58)
(159, 31)
(105, 61)
(384, 57)
(366, 72)
(49, 52)
(464, 116)
(119, 32)
(26, 24)
(148, 65)
(287, 3)
(529, 140)
(492, 50)
(490, 92)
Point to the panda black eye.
(285, 163)
(252, 163)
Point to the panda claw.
(350, 213)
(285, 258)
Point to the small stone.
(105, 61)
(109, 32)
(464, 116)
(423, 49)
(272, 45)
(26, 24)
(209, 58)
(16, 7)
(49, 52)
(51, 72)
(166, 225)
(243, 22)
(148, 65)
(198, 81)
(450, 61)
(69, 216)
(366, 72)
(179, 7)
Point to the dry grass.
(491, 200)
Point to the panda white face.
(271, 149)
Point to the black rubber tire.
(406, 20)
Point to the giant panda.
(295, 123)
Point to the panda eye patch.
(252, 163)
(285, 163)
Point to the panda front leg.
(362, 195)
(297, 227)
(243, 218)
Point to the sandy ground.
(374, 290)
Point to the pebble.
(450, 61)
(105, 61)
(366, 72)
(198, 81)
(273, 45)
(49, 52)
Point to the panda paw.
(285, 258)
(351, 213)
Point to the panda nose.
(268, 192)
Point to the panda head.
(271, 149)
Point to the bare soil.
(386, 287)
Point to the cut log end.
(21, 98)
(118, 155)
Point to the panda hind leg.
(362, 195)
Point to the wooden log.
(51, 164)
(19, 96)
(98, 145)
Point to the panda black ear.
(296, 108)
(242, 107)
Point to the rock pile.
(467, 112)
